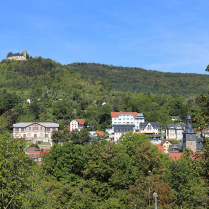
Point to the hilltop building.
(18, 56)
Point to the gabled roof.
(165, 142)
(153, 124)
(80, 121)
(175, 125)
(95, 133)
(100, 133)
(116, 114)
(47, 124)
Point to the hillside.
(146, 81)
(60, 93)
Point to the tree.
(34, 145)
(35, 109)
(65, 162)
(16, 170)
(79, 137)
(188, 187)
(9, 53)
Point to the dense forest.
(60, 93)
(145, 81)
(101, 174)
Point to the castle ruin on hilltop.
(17, 56)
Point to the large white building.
(125, 121)
(34, 131)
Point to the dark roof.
(175, 148)
(16, 54)
(175, 125)
(199, 144)
(153, 124)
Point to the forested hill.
(146, 81)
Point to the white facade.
(149, 129)
(35, 131)
(73, 125)
(76, 124)
(174, 131)
(125, 121)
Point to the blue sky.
(169, 36)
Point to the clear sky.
(169, 36)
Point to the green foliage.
(188, 187)
(9, 53)
(110, 172)
(141, 80)
(34, 145)
(15, 172)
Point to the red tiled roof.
(80, 121)
(160, 147)
(42, 153)
(47, 149)
(33, 149)
(100, 133)
(33, 152)
(116, 114)
(175, 155)
(164, 142)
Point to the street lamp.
(149, 185)
(155, 196)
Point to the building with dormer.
(152, 129)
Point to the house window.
(33, 128)
(37, 128)
(48, 129)
(29, 128)
(17, 129)
(40, 128)
(46, 135)
(22, 129)
(35, 135)
(24, 135)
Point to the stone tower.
(189, 135)
(24, 53)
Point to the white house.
(174, 131)
(76, 124)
